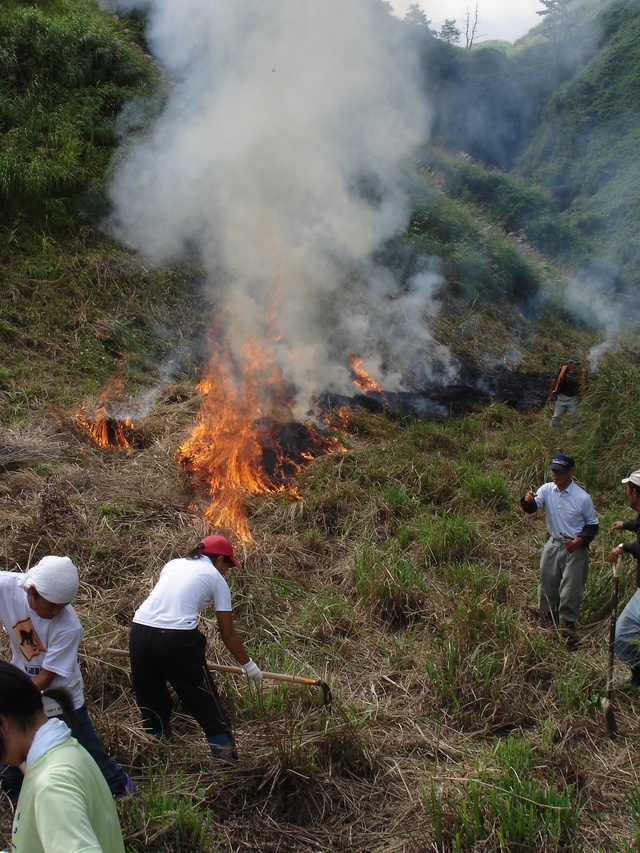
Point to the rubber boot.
(222, 747)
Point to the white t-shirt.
(37, 643)
(185, 588)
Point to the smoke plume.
(278, 163)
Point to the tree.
(416, 15)
(449, 32)
(553, 8)
(555, 15)
(470, 33)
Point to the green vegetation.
(65, 71)
(402, 571)
(585, 147)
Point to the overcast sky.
(497, 19)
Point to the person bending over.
(166, 645)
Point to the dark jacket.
(572, 385)
(633, 547)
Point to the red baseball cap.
(219, 546)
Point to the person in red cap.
(166, 646)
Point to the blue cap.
(560, 462)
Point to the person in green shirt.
(65, 805)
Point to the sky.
(497, 19)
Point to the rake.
(327, 698)
(605, 702)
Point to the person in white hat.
(627, 637)
(166, 646)
(44, 634)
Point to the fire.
(244, 441)
(107, 430)
(361, 377)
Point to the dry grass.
(423, 700)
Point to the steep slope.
(585, 148)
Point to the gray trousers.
(563, 577)
(565, 405)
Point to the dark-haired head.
(21, 701)
(196, 552)
(220, 561)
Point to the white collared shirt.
(568, 511)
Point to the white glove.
(251, 671)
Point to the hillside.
(395, 564)
(560, 108)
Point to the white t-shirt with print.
(37, 643)
(184, 589)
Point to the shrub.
(67, 69)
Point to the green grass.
(65, 70)
(505, 805)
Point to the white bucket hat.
(55, 578)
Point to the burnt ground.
(475, 388)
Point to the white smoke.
(593, 301)
(278, 162)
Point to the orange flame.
(361, 377)
(244, 403)
(106, 430)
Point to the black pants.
(159, 656)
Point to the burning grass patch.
(432, 654)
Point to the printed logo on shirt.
(27, 639)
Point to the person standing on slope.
(65, 803)
(572, 524)
(166, 645)
(566, 391)
(627, 637)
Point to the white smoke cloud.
(277, 161)
(593, 300)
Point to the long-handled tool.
(237, 670)
(605, 701)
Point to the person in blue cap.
(572, 524)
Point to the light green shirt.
(66, 806)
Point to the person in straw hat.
(167, 647)
(44, 634)
(627, 637)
